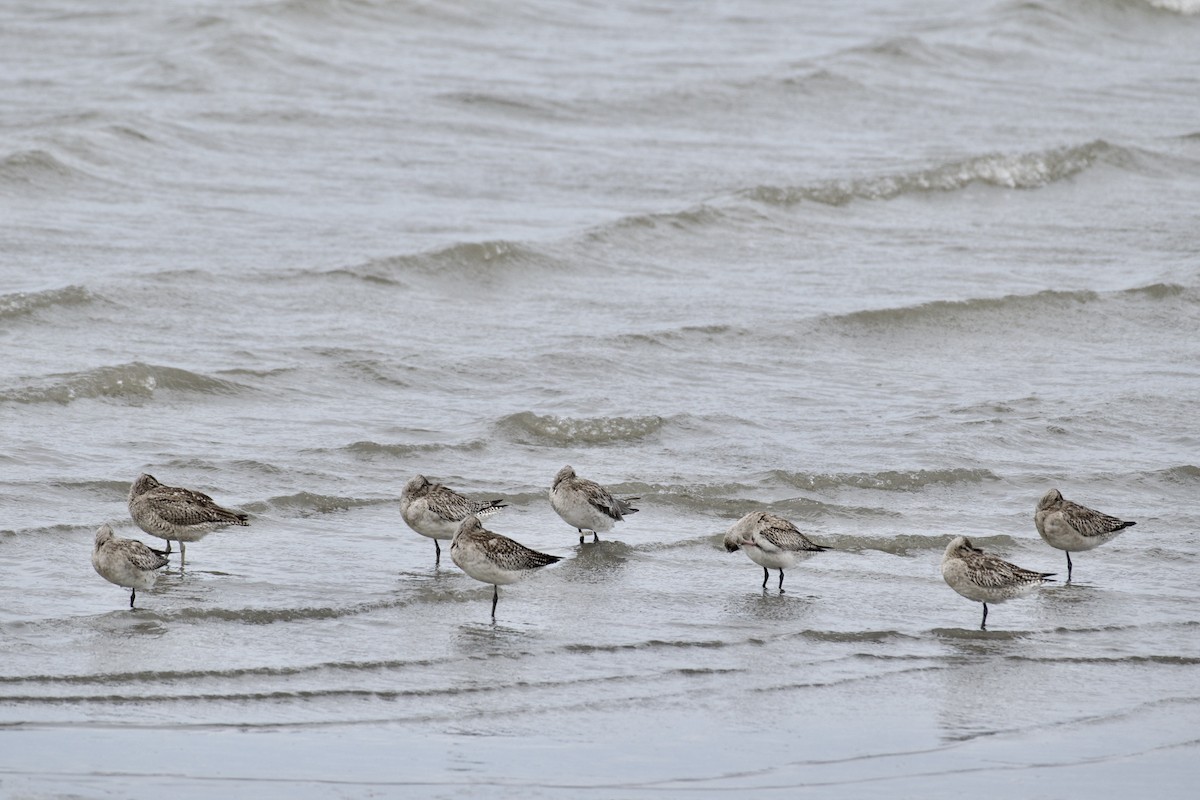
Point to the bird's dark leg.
(168, 547)
(983, 625)
(1068, 552)
(781, 581)
(182, 555)
(437, 549)
(765, 576)
(495, 599)
(132, 595)
(595, 537)
(580, 535)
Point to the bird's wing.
(448, 504)
(140, 555)
(1089, 522)
(188, 507)
(785, 536)
(511, 554)
(599, 498)
(985, 569)
(485, 508)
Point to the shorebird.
(1069, 526)
(126, 562)
(174, 514)
(491, 558)
(771, 542)
(586, 505)
(981, 576)
(436, 511)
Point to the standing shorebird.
(1069, 526)
(175, 514)
(981, 576)
(436, 511)
(771, 542)
(491, 558)
(126, 562)
(586, 505)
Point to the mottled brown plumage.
(491, 558)
(176, 514)
(126, 562)
(1071, 527)
(436, 511)
(770, 541)
(586, 505)
(984, 577)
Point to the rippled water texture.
(888, 269)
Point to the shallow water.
(888, 269)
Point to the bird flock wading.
(433, 510)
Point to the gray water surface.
(888, 269)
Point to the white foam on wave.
(1178, 6)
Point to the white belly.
(781, 559)
(577, 512)
(122, 573)
(425, 522)
(481, 568)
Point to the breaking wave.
(888, 481)
(306, 504)
(1185, 474)
(1185, 7)
(368, 449)
(529, 428)
(132, 382)
(477, 260)
(1022, 171)
(943, 312)
(940, 310)
(19, 304)
(36, 168)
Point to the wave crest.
(888, 480)
(1185, 474)
(35, 168)
(904, 544)
(369, 449)
(306, 504)
(687, 336)
(940, 310)
(19, 304)
(1184, 7)
(529, 428)
(944, 312)
(1022, 171)
(131, 382)
(1158, 291)
(700, 216)
(480, 260)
